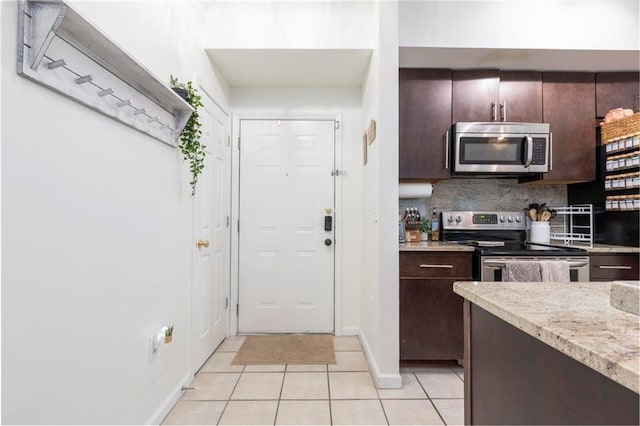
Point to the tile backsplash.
(486, 194)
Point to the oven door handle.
(502, 262)
(529, 158)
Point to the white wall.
(380, 315)
(325, 102)
(277, 24)
(542, 24)
(96, 221)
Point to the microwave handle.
(529, 157)
(550, 151)
(446, 150)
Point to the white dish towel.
(555, 270)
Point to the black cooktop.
(525, 249)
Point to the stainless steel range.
(500, 236)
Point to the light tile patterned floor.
(340, 394)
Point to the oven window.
(491, 150)
(497, 275)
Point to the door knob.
(327, 242)
(202, 243)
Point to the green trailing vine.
(190, 145)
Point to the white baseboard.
(168, 403)
(383, 380)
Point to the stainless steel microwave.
(501, 148)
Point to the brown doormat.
(287, 349)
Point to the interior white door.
(211, 236)
(286, 268)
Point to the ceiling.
(292, 67)
(519, 59)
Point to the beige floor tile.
(231, 344)
(349, 361)
(351, 386)
(364, 412)
(303, 413)
(305, 386)
(411, 412)
(220, 362)
(249, 413)
(346, 343)
(212, 386)
(411, 389)
(441, 384)
(306, 367)
(451, 410)
(253, 368)
(195, 413)
(258, 386)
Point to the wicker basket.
(620, 129)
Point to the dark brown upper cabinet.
(475, 95)
(425, 121)
(492, 95)
(569, 107)
(616, 90)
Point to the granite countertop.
(609, 248)
(435, 246)
(577, 320)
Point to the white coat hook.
(105, 92)
(56, 64)
(139, 111)
(84, 79)
(124, 102)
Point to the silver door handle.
(614, 267)
(446, 150)
(529, 158)
(437, 266)
(494, 113)
(503, 110)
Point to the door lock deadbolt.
(328, 242)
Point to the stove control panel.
(471, 220)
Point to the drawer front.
(610, 267)
(435, 264)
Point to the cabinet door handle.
(503, 111)
(446, 150)
(614, 267)
(494, 113)
(437, 266)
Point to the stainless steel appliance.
(500, 236)
(501, 148)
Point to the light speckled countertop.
(435, 246)
(577, 320)
(608, 248)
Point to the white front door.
(210, 281)
(286, 257)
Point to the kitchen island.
(548, 353)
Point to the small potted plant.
(168, 334)
(190, 145)
(425, 230)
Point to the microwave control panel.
(539, 152)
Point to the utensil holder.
(539, 232)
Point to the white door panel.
(286, 272)
(211, 264)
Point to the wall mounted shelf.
(62, 50)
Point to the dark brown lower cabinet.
(611, 267)
(430, 312)
(513, 378)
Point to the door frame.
(235, 207)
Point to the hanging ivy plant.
(190, 145)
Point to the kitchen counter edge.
(610, 248)
(435, 246)
(577, 321)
